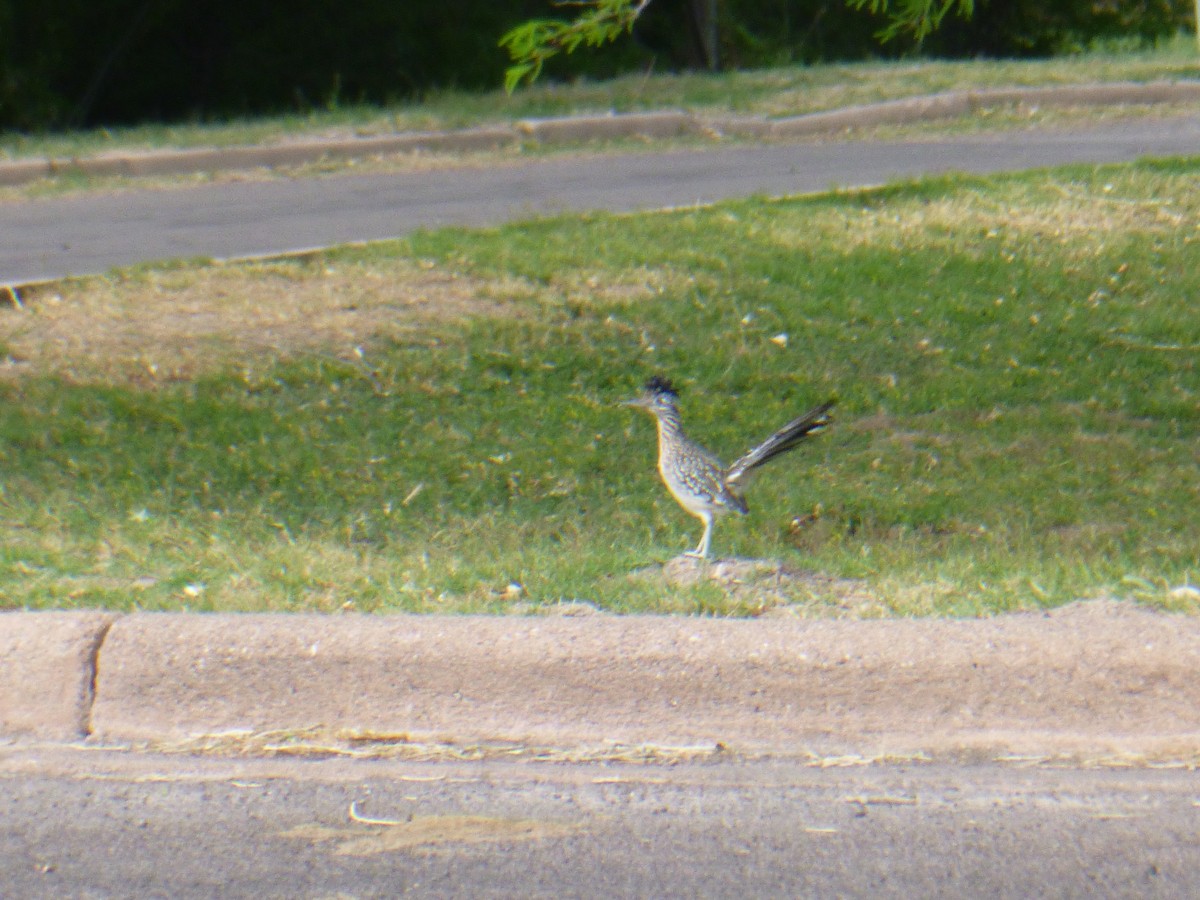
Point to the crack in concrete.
(91, 674)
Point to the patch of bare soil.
(169, 325)
(768, 587)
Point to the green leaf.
(514, 75)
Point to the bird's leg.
(701, 552)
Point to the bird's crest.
(659, 385)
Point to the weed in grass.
(1014, 359)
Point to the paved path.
(53, 238)
(88, 823)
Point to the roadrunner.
(695, 477)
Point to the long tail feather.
(783, 440)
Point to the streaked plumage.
(696, 478)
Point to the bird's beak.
(640, 402)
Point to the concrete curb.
(1032, 683)
(666, 124)
(47, 669)
(652, 125)
(960, 103)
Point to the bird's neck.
(670, 436)
(669, 426)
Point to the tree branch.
(531, 43)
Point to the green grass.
(1018, 420)
(778, 92)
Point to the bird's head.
(658, 395)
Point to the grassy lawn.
(788, 91)
(432, 425)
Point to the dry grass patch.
(1070, 215)
(765, 587)
(355, 743)
(178, 324)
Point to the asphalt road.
(99, 825)
(52, 238)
